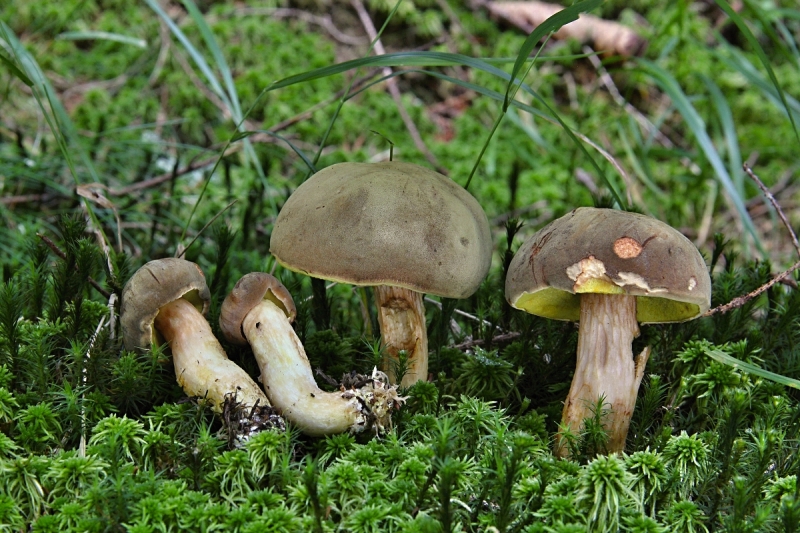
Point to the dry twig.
(782, 277)
(505, 337)
(608, 37)
(774, 203)
(620, 100)
(741, 300)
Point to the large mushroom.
(402, 228)
(165, 301)
(610, 270)
(259, 311)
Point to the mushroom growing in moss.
(610, 270)
(165, 301)
(259, 311)
(402, 228)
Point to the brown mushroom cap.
(249, 291)
(386, 223)
(158, 283)
(594, 250)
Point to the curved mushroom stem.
(287, 378)
(401, 315)
(201, 365)
(605, 368)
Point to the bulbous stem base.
(289, 382)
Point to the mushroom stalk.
(288, 380)
(201, 365)
(401, 315)
(605, 368)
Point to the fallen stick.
(608, 37)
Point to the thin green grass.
(738, 62)
(722, 357)
(762, 57)
(59, 121)
(102, 36)
(228, 95)
(442, 59)
(697, 126)
(716, 446)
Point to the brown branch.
(25, 198)
(620, 100)
(741, 300)
(606, 36)
(774, 203)
(477, 342)
(56, 250)
(172, 174)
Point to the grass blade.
(552, 24)
(229, 98)
(578, 138)
(721, 357)
(753, 42)
(737, 61)
(16, 71)
(294, 147)
(440, 59)
(58, 120)
(198, 58)
(729, 131)
(219, 59)
(102, 36)
(695, 123)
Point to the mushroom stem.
(605, 368)
(401, 315)
(288, 380)
(201, 365)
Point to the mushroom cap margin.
(389, 223)
(154, 285)
(613, 252)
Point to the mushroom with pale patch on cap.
(165, 301)
(400, 227)
(610, 270)
(259, 311)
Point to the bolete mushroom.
(259, 311)
(165, 301)
(609, 270)
(400, 227)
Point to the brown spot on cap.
(627, 248)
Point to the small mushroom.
(610, 270)
(259, 311)
(164, 301)
(402, 228)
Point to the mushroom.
(609, 270)
(259, 311)
(402, 228)
(165, 300)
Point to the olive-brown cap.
(592, 250)
(249, 291)
(154, 285)
(388, 223)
